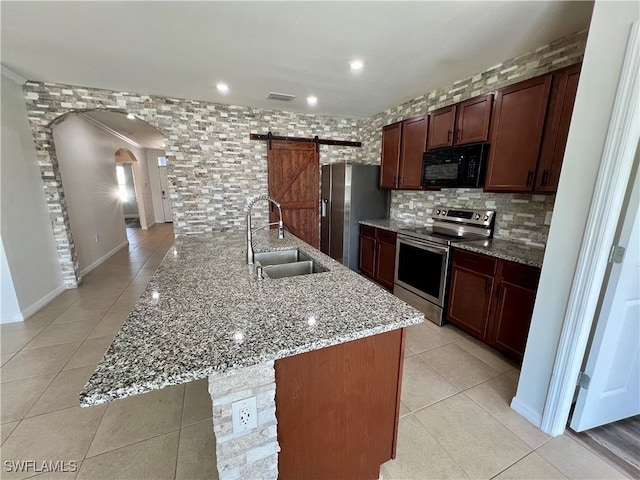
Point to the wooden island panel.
(338, 408)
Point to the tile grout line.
(184, 398)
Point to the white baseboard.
(34, 307)
(16, 317)
(103, 258)
(527, 412)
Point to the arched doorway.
(87, 151)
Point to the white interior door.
(613, 363)
(164, 190)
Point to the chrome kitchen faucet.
(250, 205)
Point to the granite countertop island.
(204, 311)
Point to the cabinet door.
(514, 308)
(469, 301)
(414, 143)
(385, 264)
(518, 120)
(556, 130)
(367, 255)
(390, 161)
(441, 126)
(473, 118)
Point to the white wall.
(605, 50)
(86, 156)
(9, 308)
(156, 191)
(25, 225)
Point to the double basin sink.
(286, 263)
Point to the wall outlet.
(547, 217)
(244, 414)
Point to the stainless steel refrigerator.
(349, 193)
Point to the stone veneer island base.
(322, 353)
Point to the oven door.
(421, 268)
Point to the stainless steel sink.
(294, 268)
(286, 263)
(278, 257)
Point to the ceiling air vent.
(283, 97)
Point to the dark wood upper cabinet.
(517, 125)
(390, 162)
(414, 143)
(441, 127)
(554, 139)
(473, 119)
(403, 144)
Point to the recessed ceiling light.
(311, 100)
(356, 64)
(222, 87)
(131, 116)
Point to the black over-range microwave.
(455, 167)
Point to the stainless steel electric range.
(422, 256)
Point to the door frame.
(611, 186)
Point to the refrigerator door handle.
(323, 207)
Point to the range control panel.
(459, 215)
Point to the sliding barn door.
(294, 177)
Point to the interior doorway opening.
(128, 195)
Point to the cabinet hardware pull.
(529, 177)
(545, 174)
(500, 292)
(399, 180)
(458, 134)
(487, 287)
(449, 136)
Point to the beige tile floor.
(455, 415)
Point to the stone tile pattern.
(213, 167)
(252, 454)
(205, 312)
(520, 216)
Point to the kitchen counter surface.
(388, 224)
(204, 311)
(506, 250)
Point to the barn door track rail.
(269, 137)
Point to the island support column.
(253, 453)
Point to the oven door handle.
(423, 245)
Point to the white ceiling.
(182, 49)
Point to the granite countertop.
(204, 311)
(506, 250)
(388, 224)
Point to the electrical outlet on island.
(244, 415)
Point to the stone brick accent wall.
(520, 217)
(213, 167)
(252, 454)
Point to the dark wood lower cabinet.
(338, 408)
(378, 255)
(492, 300)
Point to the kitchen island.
(306, 347)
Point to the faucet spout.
(252, 202)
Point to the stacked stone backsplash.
(520, 217)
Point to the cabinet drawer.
(521, 275)
(367, 231)
(385, 236)
(474, 261)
